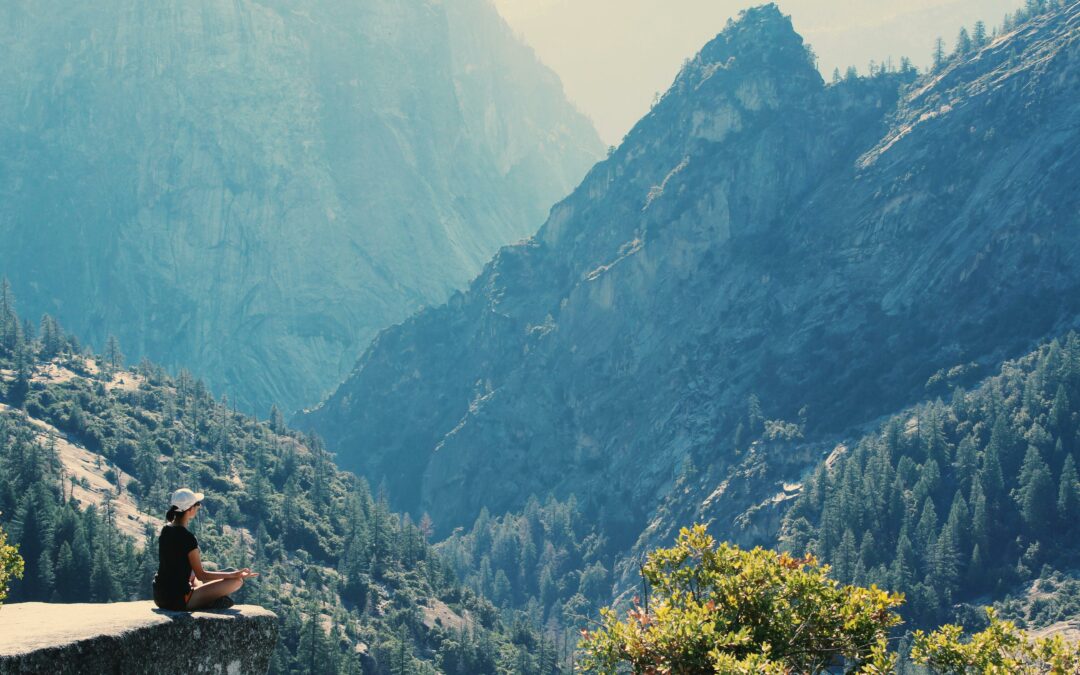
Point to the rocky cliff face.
(252, 189)
(134, 637)
(757, 233)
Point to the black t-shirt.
(174, 568)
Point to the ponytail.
(172, 514)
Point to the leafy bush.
(11, 565)
(719, 609)
(722, 609)
(1001, 649)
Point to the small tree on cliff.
(939, 54)
(978, 36)
(963, 42)
(113, 356)
(11, 565)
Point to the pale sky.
(613, 55)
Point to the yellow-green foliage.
(719, 609)
(1001, 649)
(11, 565)
(722, 609)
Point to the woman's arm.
(205, 575)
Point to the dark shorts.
(176, 602)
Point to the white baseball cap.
(184, 499)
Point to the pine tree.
(260, 487)
(33, 532)
(939, 54)
(402, 660)
(1068, 500)
(754, 415)
(8, 320)
(868, 553)
(978, 573)
(292, 525)
(45, 575)
(978, 36)
(427, 526)
(501, 592)
(959, 521)
(932, 433)
(24, 366)
(966, 462)
(314, 654)
(114, 358)
(277, 420)
(990, 476)
(946, 563)
(926, 531)
(980, 516)
(928, 483)
(102, 585)
(1035, 496)
(846, 557)
(80, 551)
(1059, 412)
(51, 337)
(963, 42)
(1002, 446)
(67, 579)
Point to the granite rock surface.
(134, 637)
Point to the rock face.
(134, 637)
(757, 233)
(252, 189)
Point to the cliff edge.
(134, 637)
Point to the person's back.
(179, 559)
(172, 581)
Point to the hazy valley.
(252, 190)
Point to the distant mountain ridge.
(253, 189)
(758, 236)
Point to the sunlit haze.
(614, 55)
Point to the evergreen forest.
(954, 501)
(357, 587)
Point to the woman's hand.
(245, 573)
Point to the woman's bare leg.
(205, 595)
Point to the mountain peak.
(762, 16)
(761, 35)
(761, 41)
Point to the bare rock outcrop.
(134, 637)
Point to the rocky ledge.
(134, 637)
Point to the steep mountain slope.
(252, 189)
(825, 248)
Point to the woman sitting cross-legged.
(179, 560)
